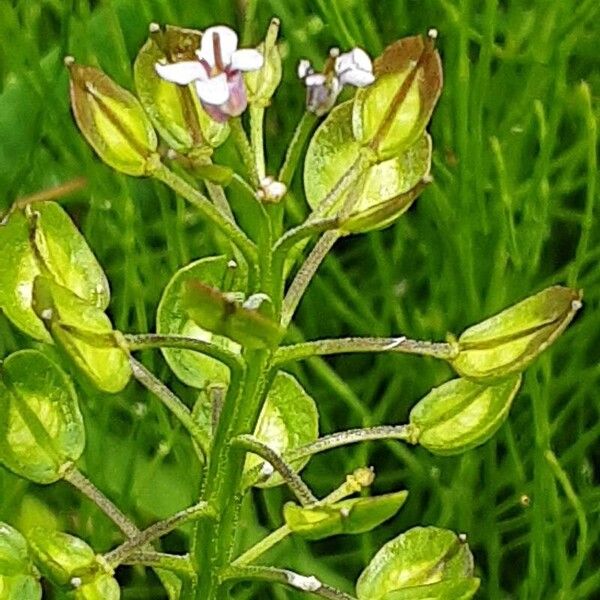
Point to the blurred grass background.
(511, 211)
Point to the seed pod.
(69, 562)
(262, 83)
(43, 238)
(355, 515)
(460, 414)
(379, 196)
(42, 431)
(509, 341)
(422, 557)
(19, 579)
(84, 332)
(175, 110)
(391, 114)
(111, 119)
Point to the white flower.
(322, 89)
(217, 72)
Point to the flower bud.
(355, 515)
(391, 114)
(421, 563)
(261, 84)
(175, 110)
(42, 432)
(111, 119)
(509, 341)
(460, 414)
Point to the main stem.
(214, 541)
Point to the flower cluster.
(218, 79)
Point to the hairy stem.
(257, 116)
(160, 560)
(286, 577)
(144, 341)
(400, 344)
(292, 479)
(125, 550)
(240, 139)
(209, 211)
(292, 156)
(171, 401)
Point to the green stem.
(214, 541)
(292, 157)
(286, 577)
(160, 560)
(144, 341)
(240, 139)
(400, 344)
(404, 433)
(121, 553)
(263, 546)
(293, 480)
(78, 480)
(305, 274)
(171, 401)
(209, 211)
(257, 116)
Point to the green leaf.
(112, 120)
(46, 240)
(84, 332)
(452, 589)
(41, 428)
(355, 515)
(461, 414)
(175, 110)
(391, 114)
(288, 420)
(509, 341)
(18, 269)
(69, 562)
(384, 192)
(193, 368)
(249, 323)
(422, 556)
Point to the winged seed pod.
(461, 414)
(111, 119)
(421, 563)
(69, 562)
(509, 341)
(19, 579)
(84, 333)
(355, 515)
(42, 429)
(391, 114)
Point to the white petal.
(214, 90)
(357, 77)
(355, 59)
(304, 68)
(182, 72)
(315, 79)
(228, 39)
(247, 59)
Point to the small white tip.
(433, 33)
(154, 28)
